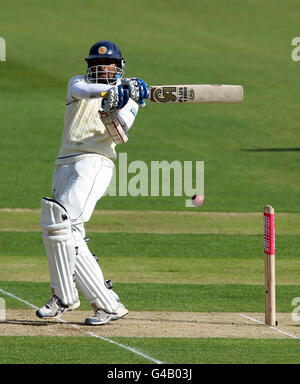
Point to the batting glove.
(138, 89)
(117, 98)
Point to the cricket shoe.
(55, 308)
(101, 317)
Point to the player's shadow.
(272, 150)
(37, 323)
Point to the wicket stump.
(269, 249)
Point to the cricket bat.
(195, 93)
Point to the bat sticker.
(163, 94)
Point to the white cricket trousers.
(78, 187)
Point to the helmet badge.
(102, 50)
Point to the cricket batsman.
(93, 126)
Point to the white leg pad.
(60, 249)
(89, 279)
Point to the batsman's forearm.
(128, 114)
(83, 90)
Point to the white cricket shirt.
(84, 133)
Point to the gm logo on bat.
(166, 94)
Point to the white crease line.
(75, 326)
(18, 298)
(270, 326)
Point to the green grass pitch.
(251, 154)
